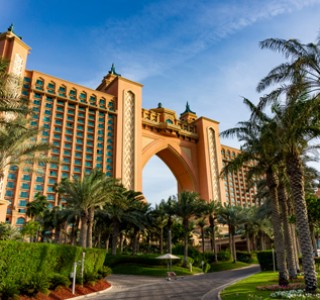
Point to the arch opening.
(158, 181)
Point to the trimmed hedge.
(21, 263)
(145, 260)
(245, 257)
(266, 260)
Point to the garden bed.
(62, 293)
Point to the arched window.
(83, 97)
(62, 91)
(39, 84)
(51, 87)
(102, 103)
(73, 94)
(93, 100)
(20, 221)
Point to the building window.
(25, 186)
(20, 221)
(39, 187)
(24, 194)
(9, 193)
(23, 203)
(10, 184)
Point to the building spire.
(10, 28)
(188, 110)
(113, 70)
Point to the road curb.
(91, 294)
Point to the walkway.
(202, 287)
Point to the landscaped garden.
(264, 285)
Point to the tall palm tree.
(188, 205)
(261, 145)
(298, 125)
(211, 210)
(169, 209)
(301, 72)
(233, 217)
(159, 220)
(11, 101)
(84, 194)
(120, 209)
(18, 145)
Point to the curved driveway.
(204, 286)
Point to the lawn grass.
(242, 289)
(161, 271)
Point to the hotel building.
(106, 128)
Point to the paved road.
(204, 286)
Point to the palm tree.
(36, 210)
(83, 195)
(211, 210)
(169, 209)
(202, 223)
(18, 145)
(121, 208)
(232, 216)
(299, 124)
(261, 145)
(188, 205)
(300, 73)
(11, 101)
(159, 221)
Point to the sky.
(205, 52)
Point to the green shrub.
(145, 259)
(90, 277)
(56, 280)
(21, 261)
(105, 271)
(34, 284)
(224, 255)
(8, 289)
(265, 260)
(245, 256)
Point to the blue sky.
(200, 51)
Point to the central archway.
(160, 184)
(176, 160)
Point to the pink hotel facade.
(107, 128)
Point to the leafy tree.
(187, 205)
(233, 217)
(9, 232)
(83, 195)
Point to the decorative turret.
(113, 70)
(188, 115)
(13, 49)
(112, 74)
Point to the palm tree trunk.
(90, 226)
(107, 243)
(295, 173)
(230, 242)
(169, 235)
(202, 239)
(186, 241)
(283, 199)
(135, 241)
(84, 228)
(115, 234)
(233, 244)
(272, 182)
(213, 238)
(161, 240)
